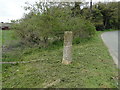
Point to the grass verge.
(92, 67)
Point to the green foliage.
(109, 12)
(103, 15)
(76, 10)
(43, 28)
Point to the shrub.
(42, 28)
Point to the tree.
(109, 12)
(76, 10)
(103, 16)
(41, 27)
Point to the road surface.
(111, 41)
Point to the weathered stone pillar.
(67, 50)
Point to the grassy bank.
(92, 67)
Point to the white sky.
(13, 9)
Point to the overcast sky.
(13, 9)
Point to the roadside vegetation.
(0, 58)
(0, 38)
(103, 16)
(38, 37)
(8, 37)
(42, 29)
(92, 67)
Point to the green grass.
(0, 38)
(92, 67)
(0, 59)
(9, 38)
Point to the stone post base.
(66, 62)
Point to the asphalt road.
(111, 41)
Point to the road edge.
(115, 59)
